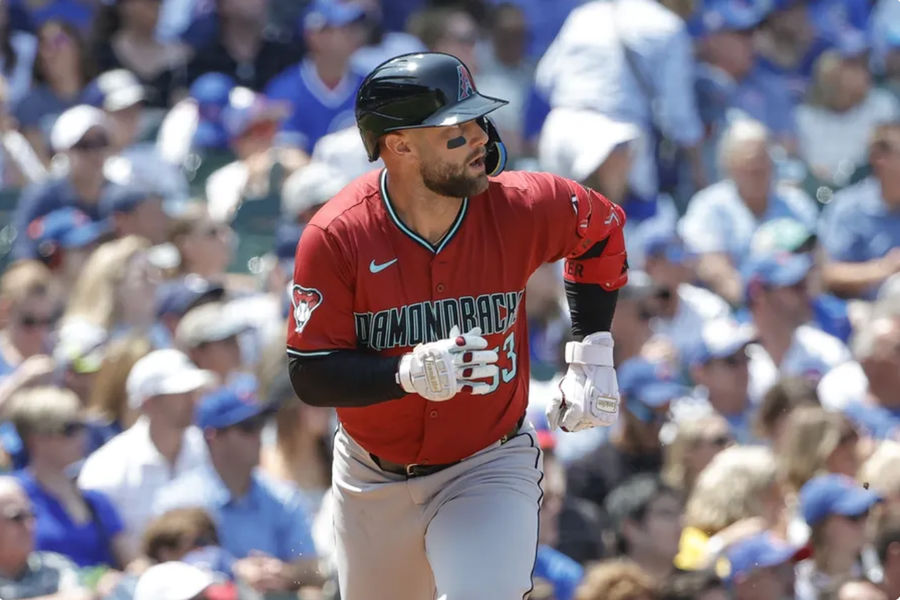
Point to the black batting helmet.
(425, 89)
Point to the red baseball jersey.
(363, 280)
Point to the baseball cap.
(73, 124)
(756, 552)
(115, 90)
(210, 91)
(66, 227)
(230, 404)
(780, 235)
(779, 269)
(309, 187)
(246, 108)
(851, 42)
(172, 581)
(332, 13)
(209, 322)
(667, 245)
(720, 338)
(834, 494)
(164, 372)
(118, 198)
(650, 384)
(726, 15)
(80, 346)
(181, 295)
(573, 143)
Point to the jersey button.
(433, 414)
(440, 287)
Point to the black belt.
(417, 470)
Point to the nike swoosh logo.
(373, 268)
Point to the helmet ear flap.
(495, 159)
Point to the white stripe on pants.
(468, 532)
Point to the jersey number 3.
(509, 347)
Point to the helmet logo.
(465, 83)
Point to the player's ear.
(397, 143)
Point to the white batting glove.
(589, 392)
(438, 370)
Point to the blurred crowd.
(158, 159)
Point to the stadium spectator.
(760, 567)
(842, 105)
(879, 474)
(634, 312)
(449, 29)
(736, 495)
(208, 334)
(696, 441)
(63, 239)
(854, 588)
(860, 228)
(729, 84)
(81, 136)
(135, 210)
(17, 53)
(133, 466)
(694, 585)
(646, 515)
(82, 526)
(778, 403)
(778, 299)
(25, 572)
(261, 522)
(29, 308)
(204, 246)
(836, 508)
(600, 60)
(721, 219)
(242, 47)
(816, 441)
(125, 38)
(62, 69)
(321, 89)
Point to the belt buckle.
(410, 470)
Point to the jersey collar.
(412, 234)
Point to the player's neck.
(428, 214)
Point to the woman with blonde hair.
(735, 495)
(108, 410)
(695, 444)
(816, 441)
(83, 525)
(116, 289)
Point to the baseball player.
(408, 316)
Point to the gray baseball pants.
(468, 532)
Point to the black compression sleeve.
(345, 378)
(591, 307)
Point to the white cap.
(209, 322)
(309, 187)
(73, 124)
(172, 581)
(163, 372)
(80, 341)
(722, 337)
(574, 143)
(120, 89)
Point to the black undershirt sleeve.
(591, 308)
(345, 378)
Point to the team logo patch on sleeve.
(305, 301)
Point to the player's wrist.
(595, 349)
(403, 376)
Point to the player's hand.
(439, 370)
(589, 392)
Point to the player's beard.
(453, 181)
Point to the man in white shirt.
(778, 299)
(681, 308)
(133, 466)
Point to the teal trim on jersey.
(415, 236)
